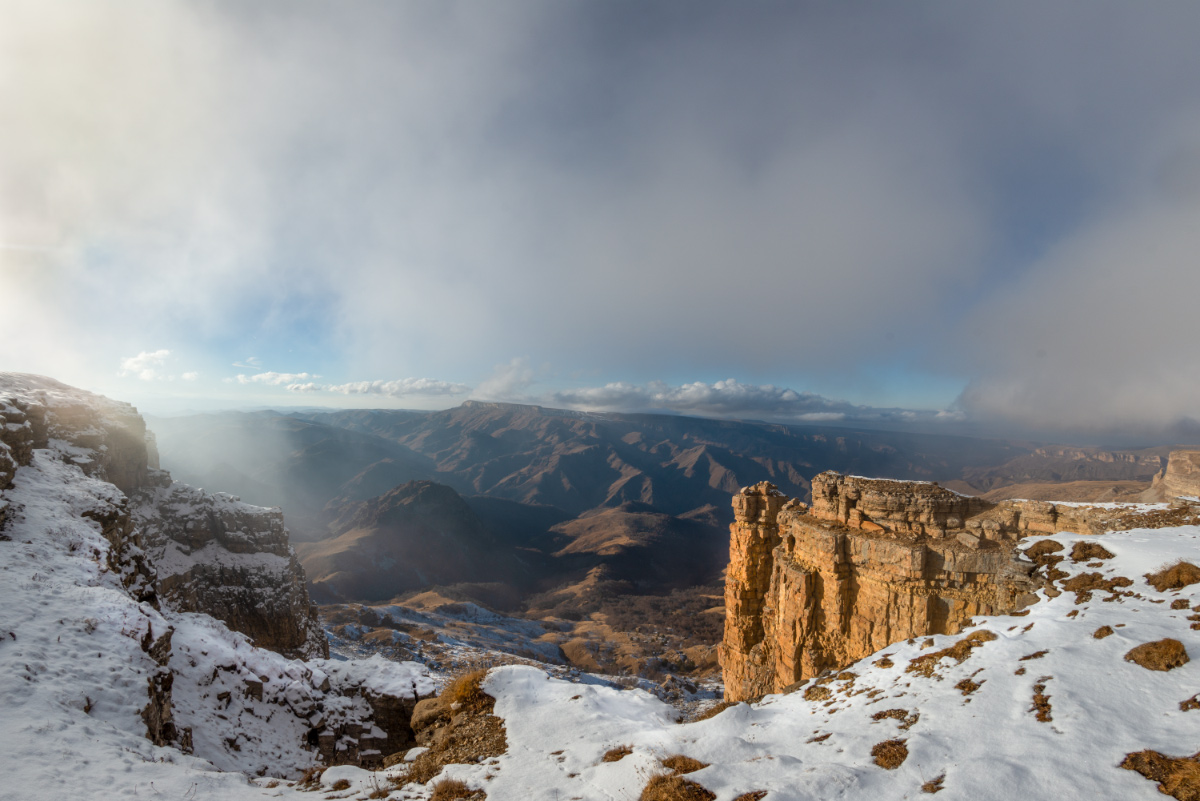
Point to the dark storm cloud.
(1001, 193)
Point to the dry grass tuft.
(1034, 655)
(713, 711)
(1180, 603)
(883, 662)
(1190, 704)
(467, 690)
(1165, 654)
(1041, 701)
(1042, 548)
(1087, 551)
(968, 686)
(1175, 576)
(820, 738)
(960, 651)
(341, 784)
(1102, 632)
(1085, 583)
(753, 795)
(934, 785)
(449, 790)
(672, 787)
(681, 764)
(817, 693)
(616, 754)
(1178, 777)
(890, 754)
(906, 720)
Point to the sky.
(952, 213)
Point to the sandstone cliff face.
(1180, 478)
(872, 562)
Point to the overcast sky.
(985, 212)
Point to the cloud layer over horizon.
(686, 206)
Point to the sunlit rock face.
(1179, 479)
(871, 563)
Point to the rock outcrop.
(1179, 479)
(216, 555)
(872, 562)
(87, 516)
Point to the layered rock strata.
(85, 508)
(870, 563)
(216, 555)
(1179, 479)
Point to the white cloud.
(190, 376)
(145, 365)
(728, 398)
(249, 363)
(508, 382)
(398, 388)
(274, 379)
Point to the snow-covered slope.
(101, 691)
(975, 723)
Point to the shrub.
(681, 764)
(449, 790)
(1165, 654)
(1174, 576)
(617, 754)
(890, 754)
(671, 787)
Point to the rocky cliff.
(1180, 478)
(147, 576)
(870, 563)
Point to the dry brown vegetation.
(1102, 632)
(681, 764)
(883, 662)
(1174, 576)
(340, 784)
(890, 754)
(1087, 551)
(817, 693)
(1165, 654)
(1085, 583)
(1041, 701)
(1178, 777)
(449, 790)
(968, 686)
(934, 785)
(672, 787)
(1180, 603)
(467, 690)
(1190, 704)
(960, 651)
(715, 710)
(753, 795)
(616, 754)
(902, 715)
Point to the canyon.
(871, 562)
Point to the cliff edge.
(873, 562)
